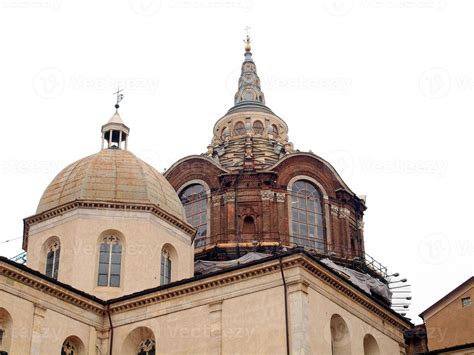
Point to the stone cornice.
(52, 289)
(202, 283)
(357, 296)
(251, 271)
(116, 205)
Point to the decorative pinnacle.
(247, 40)
(119, 98)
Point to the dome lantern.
(115, 132)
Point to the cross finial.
(247, 39)
(119, 97)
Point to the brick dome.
(114, 175)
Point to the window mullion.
(109, 268)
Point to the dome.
(111, 175)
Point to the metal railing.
(354, 257)
(20, 258)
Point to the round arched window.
(239, 128)
(194, 200)
(307, 217)
(146, 347)
(275, 130)
(258, 127)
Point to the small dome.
(111, 175)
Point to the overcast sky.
(381, 89)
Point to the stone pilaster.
(37, 332)
(299, 317)
(215, 312)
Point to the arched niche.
(140, 341)
(370, 345)
(72, 345)
(340, 336)
(6, 329)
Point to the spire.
(115, 132)
(249, 82)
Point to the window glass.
(110, 260)
(52, 260)
(239, 128)
(306, 212)
(258, 127)
(194, 199)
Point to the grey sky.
(381, 89)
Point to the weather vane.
(247, 40)
(119, 97)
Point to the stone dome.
(113, 175)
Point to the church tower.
(252, 191)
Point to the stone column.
(283, 221)
(229, 200)
(267, 200)
(215, 228)
(215, 312)
(299, 317)
(36, 334)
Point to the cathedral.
(252, 247)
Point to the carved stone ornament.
(281, 196)
(267, 195)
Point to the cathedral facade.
(250, 248)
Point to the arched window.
(6, 326)
(52, 260)
(194, 200)
(224, 133)
(306, 216)
(275, 130)
(140, 341)
(258, 127)
(68, 348)
(370, 345)
(72, 346)
(146, 347)
(239, 128)
(110, 260)
(340, 338)
(248, 225)
(165, 272)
